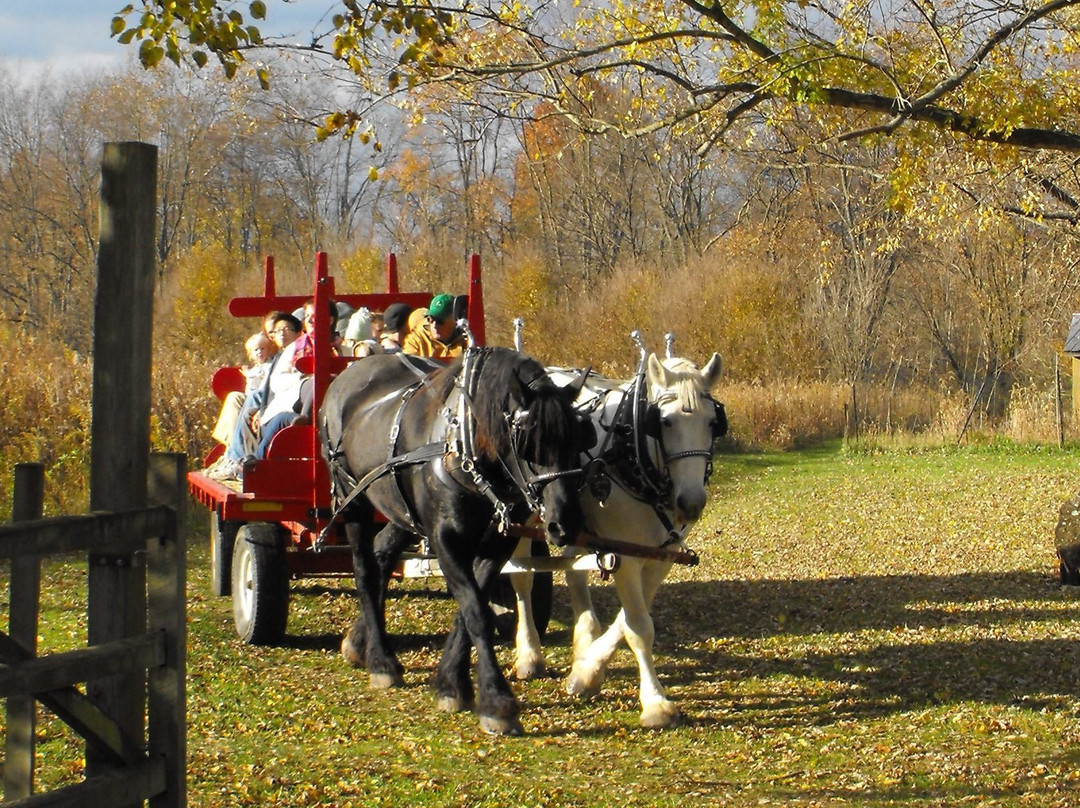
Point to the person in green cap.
(437, 336)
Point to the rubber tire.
(503, 596)
(260, 584)
(222, 539)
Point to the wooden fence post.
(120, 422)
(166, 611)
(25, 588)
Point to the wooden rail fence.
(130, 767)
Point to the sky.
(73, 35)
(60, 35)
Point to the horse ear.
(720, 425)
(711, 372)
(657, 373)
(573, 387)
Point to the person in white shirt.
(276, 388)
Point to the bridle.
(626, 458)
(461, 441)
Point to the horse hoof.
(452, 704)
(351, 653)
(661, 715)
(580, 686)
(534, 669)
(385, 681)
(499, 725)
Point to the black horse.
(453, 454)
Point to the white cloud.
(60, 35)
(74, 35)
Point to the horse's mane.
(504, 376)
(688, 388)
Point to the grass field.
(864, 629)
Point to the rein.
(600, 544)
(528, 483)
(392, 464)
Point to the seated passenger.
(305, 346)
(438, 336)
(344, 314)
(247, 435)
(306, 341)
(395, 327)
(358, 340)
(260, 350)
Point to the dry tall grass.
(45, 414)
(45, 418)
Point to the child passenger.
(260, 350)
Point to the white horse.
(655, 436)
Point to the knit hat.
(396, 316)
(441, 307)
(359, 327)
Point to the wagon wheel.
(222, 539)
(260, 584)
(504, 601)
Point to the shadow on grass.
(342, 591)
(991, 638)
(1000, 638)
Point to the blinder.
(720, 425)
(587, 431)
(652, 421)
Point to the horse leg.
(592, 649)
(586, 624)
(634, 624)
(591, 661)
(388, 548)
(452, 682)
(636, 594)
(367, 640)
(497, 707)
(528, 653)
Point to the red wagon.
(263, 530)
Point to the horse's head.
(684, 419)
(549, 436)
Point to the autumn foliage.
(843, 303)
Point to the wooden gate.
(131, 768)
(132, 714)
